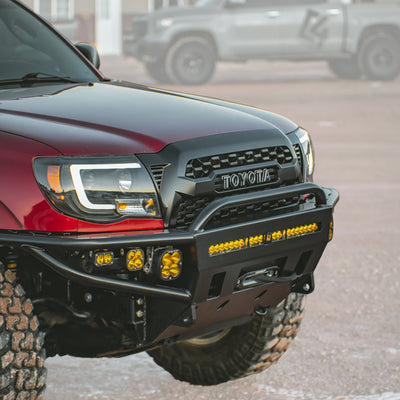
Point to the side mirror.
(90, 52)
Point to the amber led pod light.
(103, 259)
(135, 259)
(170, 265)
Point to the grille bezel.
(202, 167)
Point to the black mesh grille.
(202, 167)
(234, 215)
(139, 28)
(190, 208)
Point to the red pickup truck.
(137, 219)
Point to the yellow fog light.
(135, 259)
(171, 264)
(103, 259)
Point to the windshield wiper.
(37, 77)
(43, 76)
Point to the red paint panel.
(43, 217)
(8, 220)
(126, 225)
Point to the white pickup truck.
(183, 44)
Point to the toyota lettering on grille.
(246, 178)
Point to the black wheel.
(345, 68)
(157, 71)
(236, 352)
(379, 57)
(191, 61)
(22, 371)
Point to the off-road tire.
(156, 71)
(22, 371)
(379, 57)
(347, 68)
(243, 350)
(190, 61)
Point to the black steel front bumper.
(228, 285)
(144, 49)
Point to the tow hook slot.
(254, 278)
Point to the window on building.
(156, 4)
(55, 10)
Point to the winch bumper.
(228, 272)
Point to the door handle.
(272, 14)
(333, 12)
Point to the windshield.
(27, 46)
(207, 3)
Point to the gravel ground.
(348, 348)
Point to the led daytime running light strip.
(80, 190)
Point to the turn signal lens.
(136, 207)
(53, 177)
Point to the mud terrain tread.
(246, 350)
(22, 371)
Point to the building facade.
(96, 21)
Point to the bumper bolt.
(140, 314)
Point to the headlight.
(306, 144)
(98, 189)
(165, 23)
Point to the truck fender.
(8, 220)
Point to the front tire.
(237, 352)
(345, 68)
(379, 57)
(156, 70)
(191, 61)
(22, 371)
